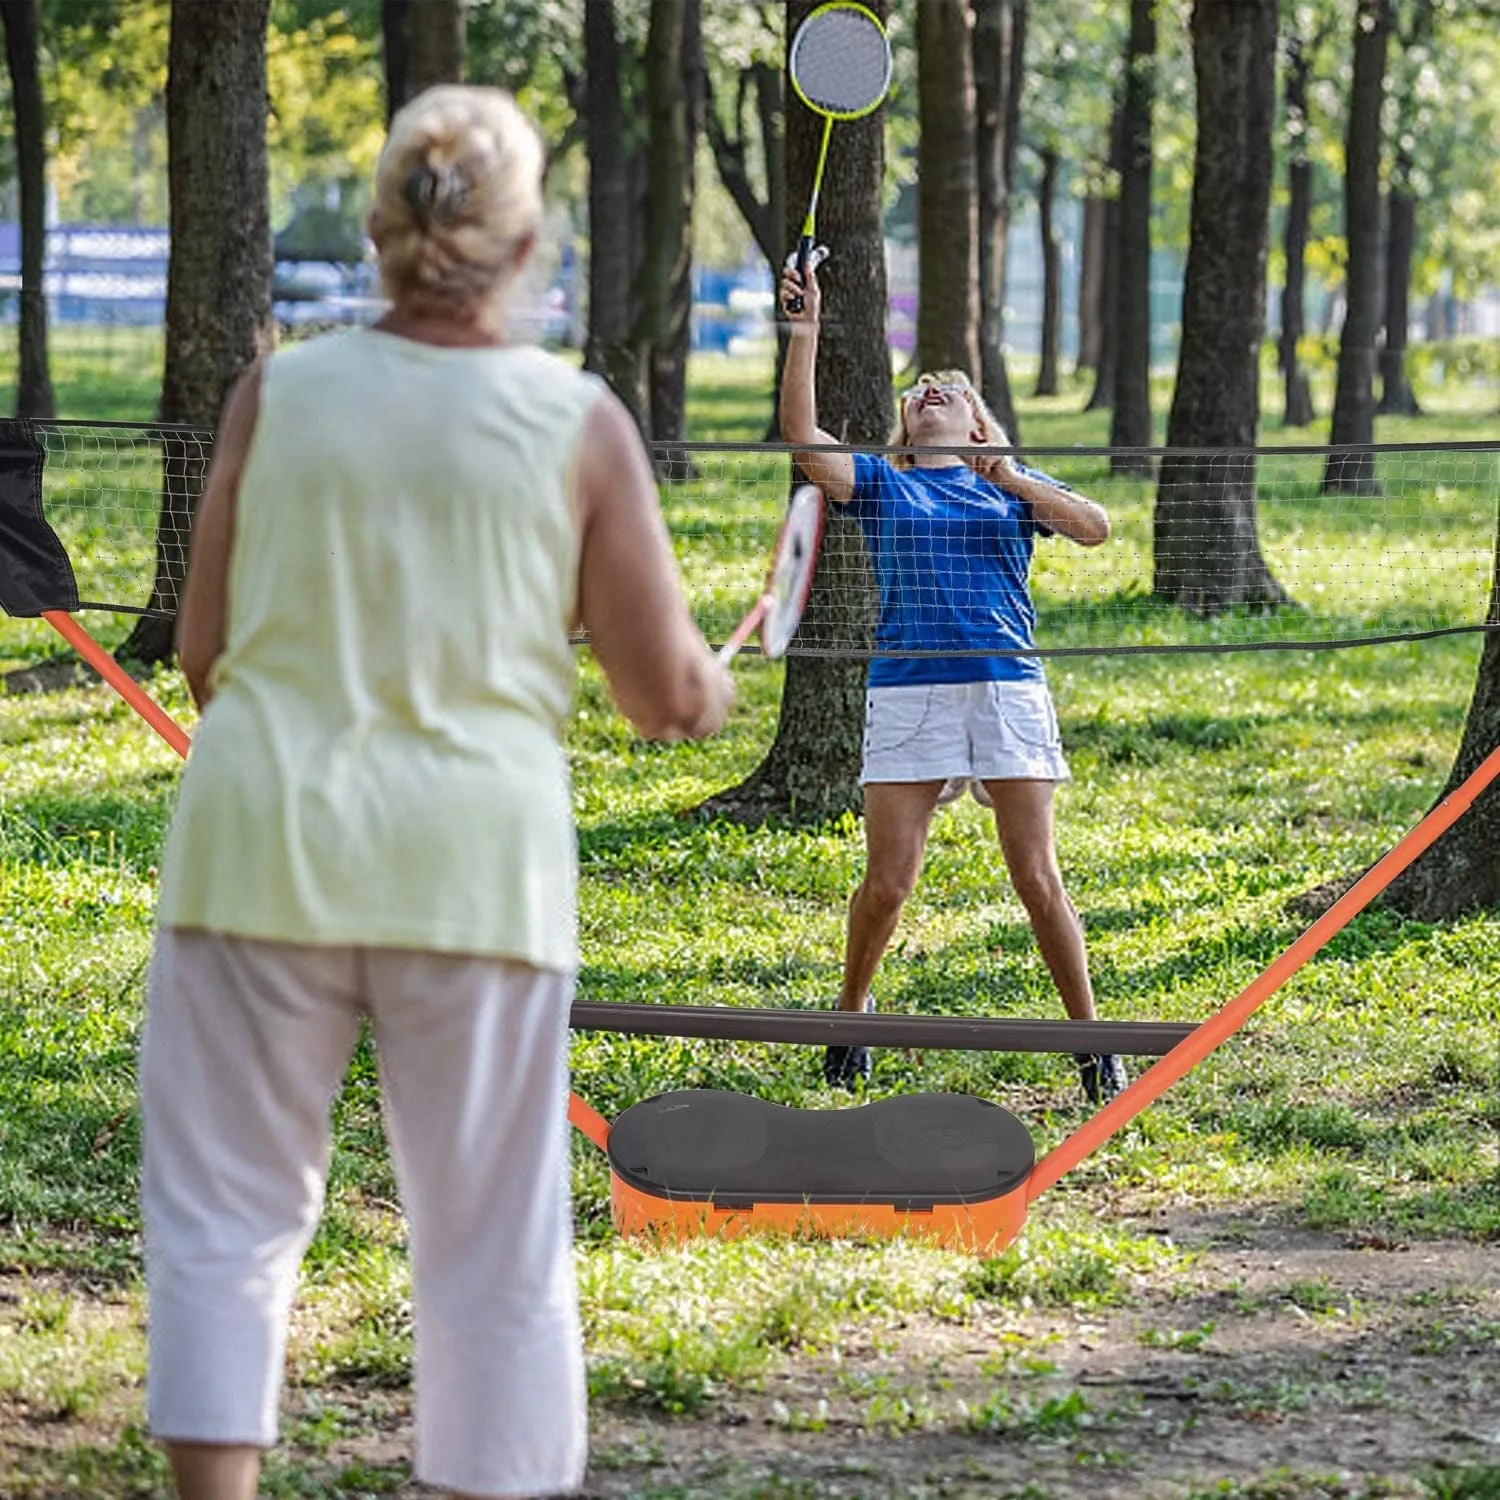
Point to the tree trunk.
(439, 35)
(1354, 394)
(613, 214)
(999, 69)
(1090, 283)
(1298, 400)
(34, 386)
(764, 218)
(1397, 398)
(667, 245)
(218, 318)
(1461, 872)
(811, 773)
(1046, 381)
(1103, 396)
(669, 354)
(1130, 421)
(947, 212)
(1207, 552)
(395, 47)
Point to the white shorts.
(964, 734)
(246, 1045)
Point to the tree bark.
(1461, 872)
(764, 218)
(1047, 376)
(439, 35)
(218, 318)
(1354, 393)
(1130, 421)
(34, 396)
(811, 773)
(1090, 283)
(999, 47)
(395, 48)
(947, 212)
(1397, 398)
(613, 213)
(1298, 398)
(1207, 552)
(667, 246)
(1396, 394)
(1103, 396)
(669, 353)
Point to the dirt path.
(1281, 1364)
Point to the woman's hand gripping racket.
(778, 611)
(840, 66)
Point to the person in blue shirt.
(950, 534)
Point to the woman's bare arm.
(660, 670)
(202, 615)
(1061, 510)
(833, 473)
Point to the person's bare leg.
(897, 817)
(1023, 821)
(214, 1471)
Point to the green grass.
(1209, 791)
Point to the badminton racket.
(778, 611)
(840, 67)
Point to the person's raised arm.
(833, 473)
(202, 615)
(661, 672)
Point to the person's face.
(940, 415)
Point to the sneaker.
(847, 1067)
(1102, 1075)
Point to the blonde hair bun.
(458, 192)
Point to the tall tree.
(1207, 552)
(1130, 418)
(20, 22)
(424, 42)
(1046, 198)
(614, 210)
(1460, 872)
(947, 202)
(999, 71)
(1102, 398)
(811, 772)
(754, 127)
(669, 353)
(1300, 50)
(219, 271)
(395, 43)
(1416, 36)
(1090, 282)
(667, 248)
(1354, 393)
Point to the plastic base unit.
(946, 1167)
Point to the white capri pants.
(246, 1045)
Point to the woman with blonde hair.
(950, 533)
(400, 529)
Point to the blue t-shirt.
(951, 553)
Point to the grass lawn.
(1280, 1282)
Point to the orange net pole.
(1224, 1023)
(119, 679)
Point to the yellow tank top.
(381, 763)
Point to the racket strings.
(841, 62)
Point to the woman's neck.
(478, 327)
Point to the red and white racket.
(778, 611)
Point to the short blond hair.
(995, 435)
(458, 193)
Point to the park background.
(1280, 1282)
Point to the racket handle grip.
(804, 256)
